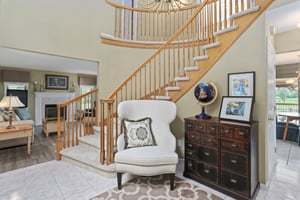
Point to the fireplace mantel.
(43, 98)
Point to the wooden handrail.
(79, 97)
(175, 35)
(80, 114)
(164, 46)
(132, 25)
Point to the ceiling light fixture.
(298, 25)
(169, 5)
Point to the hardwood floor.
(42, 150)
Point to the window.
(87, 101)
(86, 88)
(17, 89)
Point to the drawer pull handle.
(212, 128)
(190, 165)
(233, 181)
(233, 161)
(190, 125)
(209, 140)
(233, 145)
(190, 145)
(190, 153)
(226, 131)
(242, 133)
(206, 154)
(206, 171)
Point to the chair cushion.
(146, 156)
(138, 133)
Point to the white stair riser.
(88, 167)
(89, 146)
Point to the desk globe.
(206, 94)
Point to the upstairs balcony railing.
(152, 28)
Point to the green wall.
(245, 55)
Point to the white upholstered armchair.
(140, 154)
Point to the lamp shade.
(11, 101)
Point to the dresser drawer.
(190, 154)
(190, 166)
(207, 155)
(208, 172)
(237, 133)
(200, 127)
(209, 141)
(234, 146)
(212, 129)
(189, 125)
(234, 162)
(235, 182)
(190, 146)
(192, 137)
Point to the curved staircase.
(175, 68)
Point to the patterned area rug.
(158, 188)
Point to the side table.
(19, 131)
(51, 126)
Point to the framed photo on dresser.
(236, 108)
(241, 84)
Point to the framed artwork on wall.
(57, 82)
(241, 84)
(236, 108)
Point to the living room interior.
(86, 48)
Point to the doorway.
(280, 29)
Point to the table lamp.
(11, 102)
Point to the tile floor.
(57, 180)
(285, 182)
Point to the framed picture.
(56, 82)
(236, 108)
(241, 84)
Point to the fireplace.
(51, 112)
(44, 98)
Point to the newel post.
(106, 121)
(58, 141)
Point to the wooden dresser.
(223, 155)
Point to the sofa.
(22, 116)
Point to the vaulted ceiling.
(285, 18)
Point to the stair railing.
(78, 118)
(139, 24)
(170, 60)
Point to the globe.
(206, 94)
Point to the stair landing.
(87, 155)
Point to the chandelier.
(169, 5)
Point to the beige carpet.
(158, 188)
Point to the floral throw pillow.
(138, 133)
